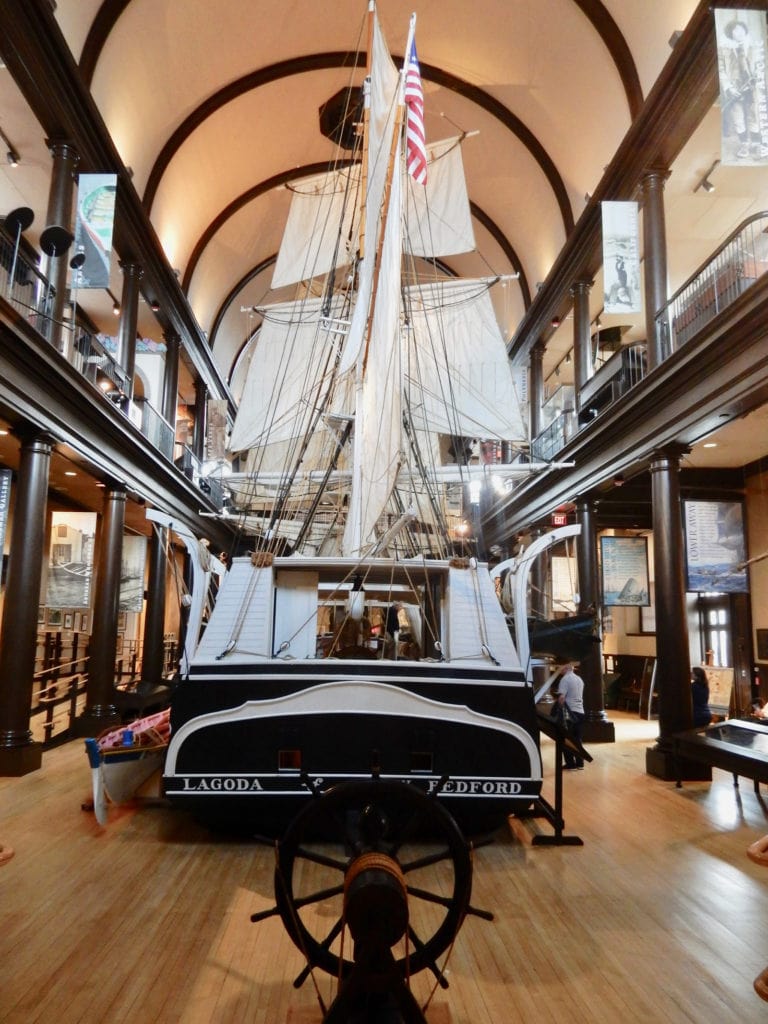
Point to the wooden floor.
(659, 916)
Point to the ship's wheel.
(373, 881)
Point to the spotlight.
(555, 321)
(704, 181)
(13, 158)
(154, 306)
(567, 358)
(116, 308)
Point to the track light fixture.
(116, 308)
(704, 182)
(12, 156)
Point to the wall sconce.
(704, 182)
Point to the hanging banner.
(715, 547)
(621, 258)
(132, 573)
(70, 562)
(216, 428)
(93, 228)
(741, 49)
(624, 563)
(5, 500)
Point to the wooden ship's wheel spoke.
(407, 879)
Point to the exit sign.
(559, 519)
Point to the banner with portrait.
(741, 51)
(94, 224)
(715, 547)
(621, 258)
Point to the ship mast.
(354, 537)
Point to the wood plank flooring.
(660, 916)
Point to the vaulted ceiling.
(214, 106)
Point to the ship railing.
(716, 284)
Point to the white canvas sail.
(323, 221)
(458, 373)
(378, 421)
(321, 231)
(382, 97)
(438, 217)
(290, 373)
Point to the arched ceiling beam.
(602, 22)
(242, 200)
(323, 61)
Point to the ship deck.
(659, 916)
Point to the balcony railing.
(28, 291)
(733, 268)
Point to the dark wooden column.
(18, 639)
(100, 709)
(171, 377)
(582, 343)
(154, 619)
(59, 215)
(201, 407)
(654, 260)
(536, 389)
(597, 728)
(129, 317)
(673, 670)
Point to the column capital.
(654, 177)
(131, 268)
(64, 149)
(582, 287)
(29, 434)
(672, 453)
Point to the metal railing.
(718, 282)
(30, 293)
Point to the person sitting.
(702, 715)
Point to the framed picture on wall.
(84, 622)
(68, 620)
(122, 622)
(624, 564)
(54, 617)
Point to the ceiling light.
(13, 158)
(116, 308)
(70, 472)
(154, 306)
(710, 444)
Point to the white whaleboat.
(360, 635)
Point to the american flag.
(415, 145)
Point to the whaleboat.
(357, 632)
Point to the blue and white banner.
(95, 221)
(741, 50)
(715, 546)
(621, 258)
